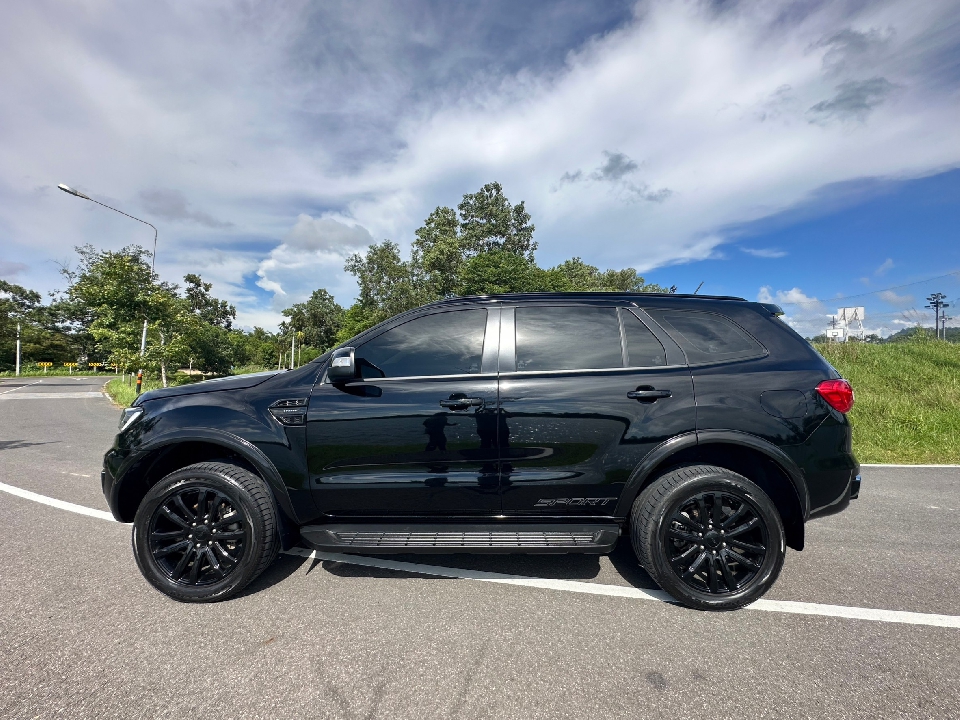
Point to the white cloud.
(251, 124)
(326, 234)
(898, 300)
(311, 256)
(764, 252)
(786, 297)
(805, 314)
(884, 268)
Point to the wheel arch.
(170, 452)
(756, 459)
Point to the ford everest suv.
(702, 430)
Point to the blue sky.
(793, 151)
(857, 240)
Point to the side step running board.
(463, 538)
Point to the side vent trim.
(290, 411)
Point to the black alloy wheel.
(708, 536)
(716, 542)
(204, 532)
(197, 536)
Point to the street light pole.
(153, 263)
(18, 350)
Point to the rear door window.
(449, 343)
(707, 337)
(568, 338)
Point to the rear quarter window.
(707, 337)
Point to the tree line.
(483, 246)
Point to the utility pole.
(943, 320)
(936, 301)
(293, 346)
(18, 350)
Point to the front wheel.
(708, 536)
(204, 532)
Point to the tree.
(387, 287)
(576, 275)
(320, 318)
(489, 222)
(216, 312)
(439, 252)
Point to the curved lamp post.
(153, 261)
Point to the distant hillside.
(907, 399)
(953, 334)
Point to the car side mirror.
(343, 365)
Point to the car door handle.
(652, 395)
(462, 402)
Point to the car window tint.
(707, 337)
(567, 338)
(643, 348)
(449, 343)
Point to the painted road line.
(633, 593)
(458, 573)
(52, 502)
(51, 396)
(782, 606)
(891, 465)
(20, 387)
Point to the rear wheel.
(709, 537)
(204, 532)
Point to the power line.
(954, 274)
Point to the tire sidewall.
(743, 489)
(177, 482)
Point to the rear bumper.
(829, 467)
(855, 488)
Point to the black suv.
(703, 427)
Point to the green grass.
(907, 406)
(124, 391)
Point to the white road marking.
(891, 465)
(21, 387)
(52, 396)
(52, 502)
(781, 606)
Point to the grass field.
(907, 406)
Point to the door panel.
(571, 440)
(388, 447)
(423, 444)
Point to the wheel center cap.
(712, 539)
(201, 532)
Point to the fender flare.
(244, 448)
(667, 448)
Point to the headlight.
(129, 416)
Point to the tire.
(205, 531)
(724, 563)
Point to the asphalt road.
(82, 635)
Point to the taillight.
(837, 393)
